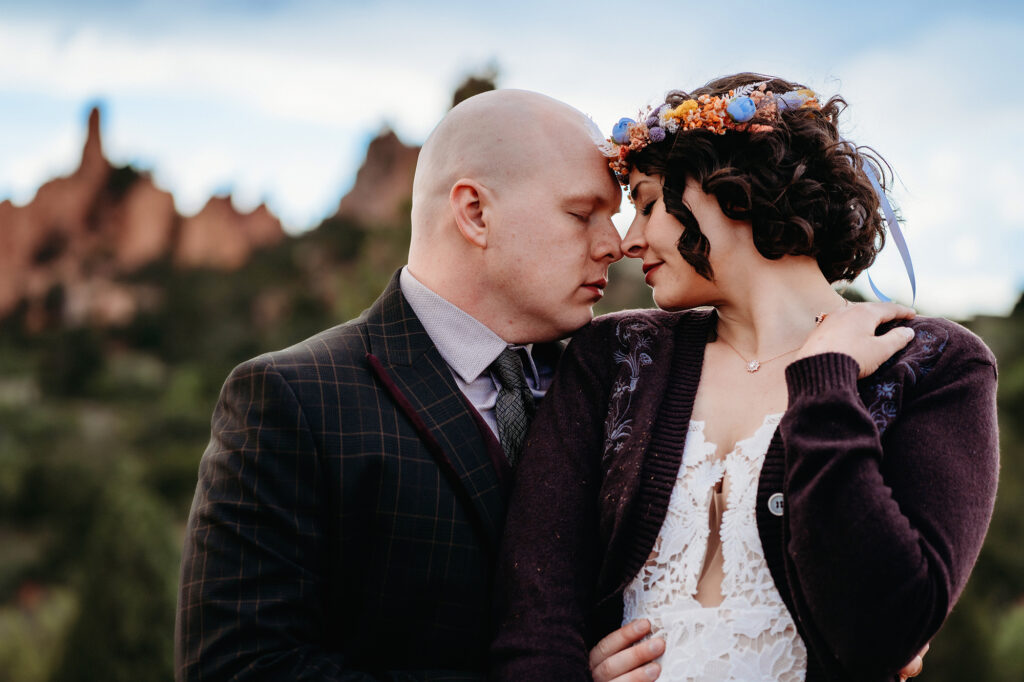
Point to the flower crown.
(751, 108)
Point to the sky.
(275, 101)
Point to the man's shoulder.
(342, 347)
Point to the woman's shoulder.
(939, 336)
(939, 344)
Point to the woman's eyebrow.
(635, 190)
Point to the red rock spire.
(92, 153)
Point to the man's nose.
(609, 246)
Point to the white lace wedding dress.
(750, 635)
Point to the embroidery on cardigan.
(634, 336)
(918, 361)
(883, 409)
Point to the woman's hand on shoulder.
(851, 330)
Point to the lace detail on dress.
(750, 636)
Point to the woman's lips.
(648, 269)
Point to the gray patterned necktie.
(514, 407)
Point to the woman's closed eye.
(648, 207)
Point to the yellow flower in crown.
(687, 106)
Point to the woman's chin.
(670, 303)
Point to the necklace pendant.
(753, 366)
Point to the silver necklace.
(755, 364)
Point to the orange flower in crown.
(751, 108)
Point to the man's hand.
(622, 657)
(912, 669)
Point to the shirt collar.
(465, 343)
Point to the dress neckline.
(771, 419)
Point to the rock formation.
(64, 255)
(81, 232)
(221, 237)
(383, 186)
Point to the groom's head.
(511, 217)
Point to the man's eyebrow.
(589, 199)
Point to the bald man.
(352, 496)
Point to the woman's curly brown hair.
(801, 186)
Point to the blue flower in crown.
(793, 99)
(741, 109)
(620, 133)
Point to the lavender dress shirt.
(469, 347)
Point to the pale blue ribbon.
(895, 232)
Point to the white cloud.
(334, 89)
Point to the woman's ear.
(467, 200)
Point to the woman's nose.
(634, 244)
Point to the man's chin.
(578, 322)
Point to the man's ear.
(468, 199)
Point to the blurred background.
(185, 185)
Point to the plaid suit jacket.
(347, 515)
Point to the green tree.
(124, 628)
(1008, 645)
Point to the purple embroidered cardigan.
(888, 486)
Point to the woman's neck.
(774, 310)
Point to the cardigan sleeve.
(548, 561)
(883, 529)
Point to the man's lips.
(597, 286)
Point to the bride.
(781, 491)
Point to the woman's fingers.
(851, 330)
(621, 639)
(622, 657)
(872, 351)
(885, 312)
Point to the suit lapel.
(411, 369)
